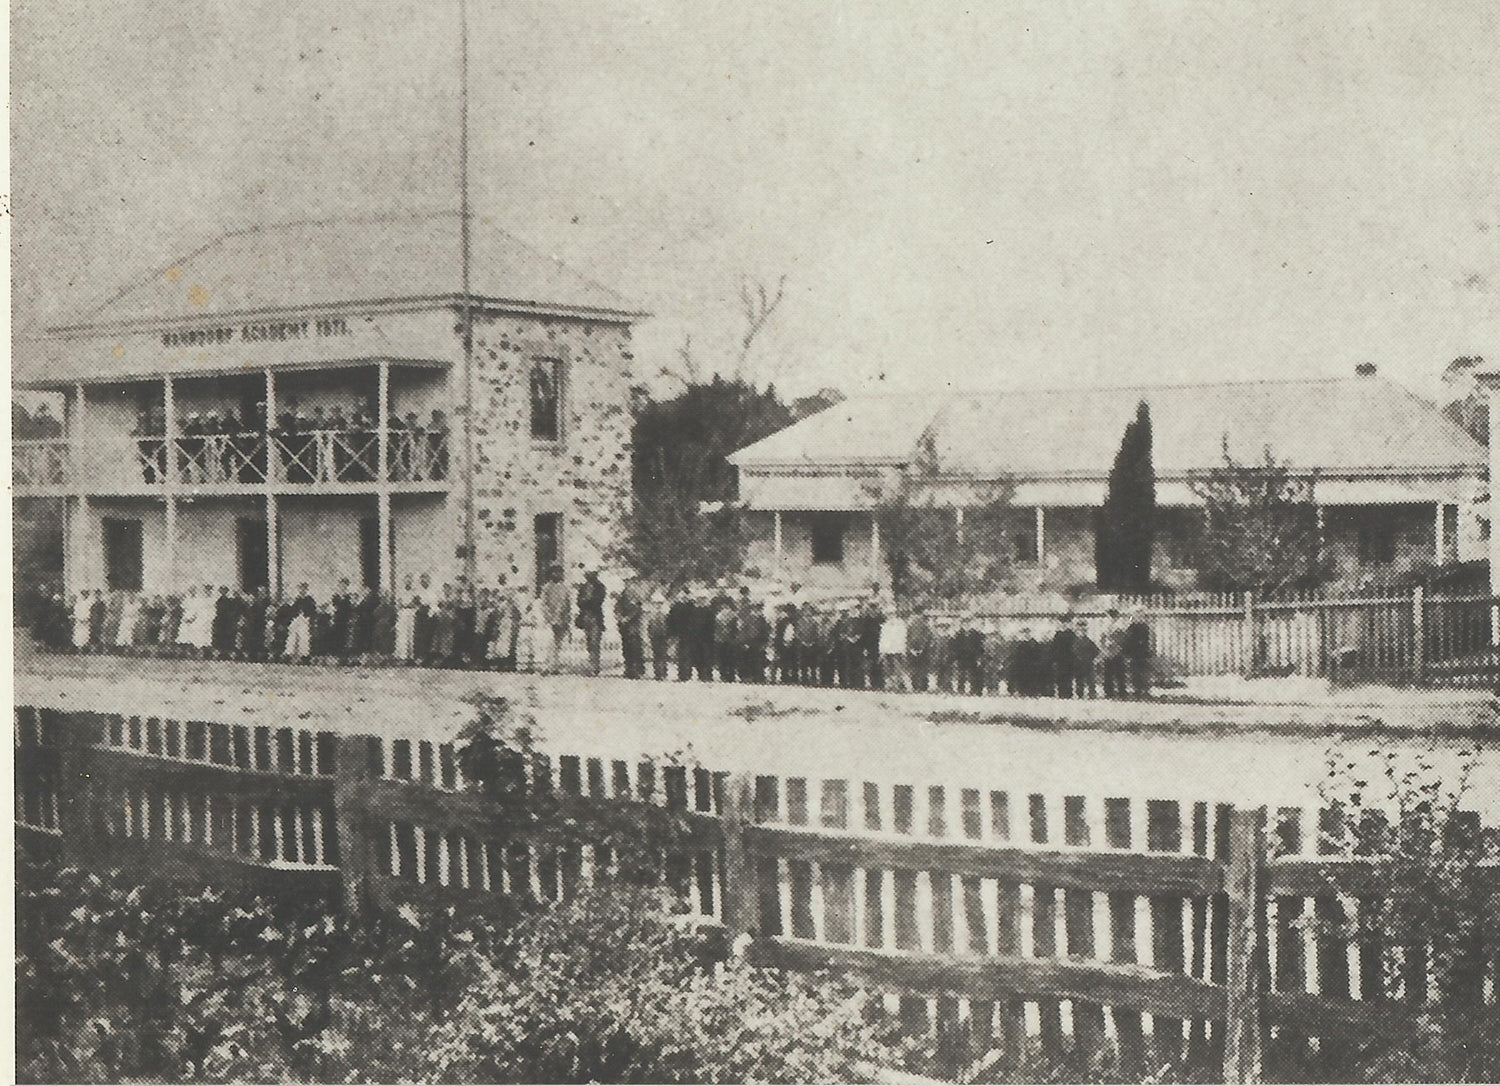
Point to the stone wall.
(584, 476)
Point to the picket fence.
(997, 917)
(1398, 638)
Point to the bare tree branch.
(758, 305)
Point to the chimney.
(1365, 369)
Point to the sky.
(1006, 195)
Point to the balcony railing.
(41, 462)
(309, 457)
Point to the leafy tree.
(680, 463)
(669, 537)
(1127, 520)
(1261, 526)
(931, 557)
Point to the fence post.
(79, 783)
(741, 900)
(1419, 634)
(1251, 649)
(1244, 987)
(351, 768)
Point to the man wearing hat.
(682, 629)
(1136, 647)
(1112, 654)
(630, 612)
(1061, 658)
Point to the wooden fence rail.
(1169, 930)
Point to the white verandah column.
(80, 534)
(386, 573)
(1489, 380)
(169, 478)
(776, 536)
(273, 511)
(1041, 537)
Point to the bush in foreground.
(122, 981)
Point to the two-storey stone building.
(295, 403)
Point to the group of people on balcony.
(320, 446)
(708, 633)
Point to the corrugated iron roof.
(1353, 424)
(316, 263)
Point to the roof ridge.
(523, 243)
(266, 227)
(957, 394)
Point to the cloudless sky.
(1029, 193)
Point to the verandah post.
(1247, 961)
(1418, 634)
(1251, 649)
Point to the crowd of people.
(321, 445)
(703, 633)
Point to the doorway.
(123, 554)
(369, 551)
(254, 554)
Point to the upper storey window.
(546, 399)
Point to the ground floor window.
(827, 533)
(547, 532)
(123, 554)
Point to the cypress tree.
(1127, 520)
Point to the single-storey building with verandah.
(1397, 484)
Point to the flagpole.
(465, 245)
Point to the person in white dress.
(81, 605)
(130, 614)
(203, 629)
(187, 631)
(406, 621)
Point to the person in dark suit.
(253, 640)
(338, 629)
(465, 627)
(726, 639)
(591, 596)
(1085, 654)
(870, 619)
(1061, 659)
(97, 612)
(788, 668)
(703, 638)
(968, 657)
(754, 634)
(630, 612)
(222, 637)
(1136, 645)
(682, 628)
